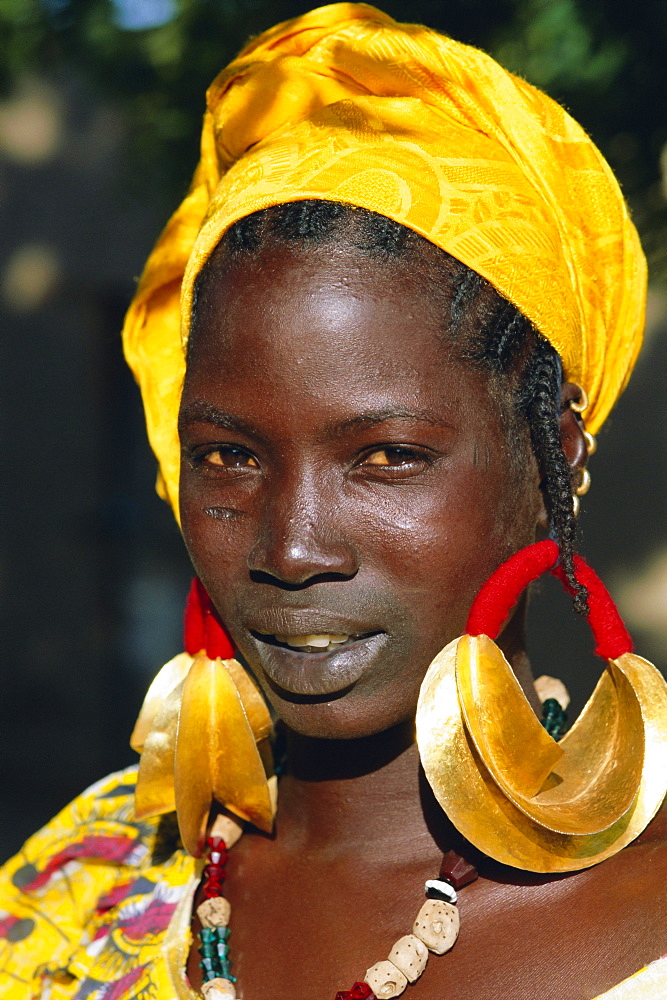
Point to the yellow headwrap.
(346, 104)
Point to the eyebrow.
(372, 417)
(201, 412)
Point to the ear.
(572, 439)
(572, 428)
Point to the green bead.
(554, 718)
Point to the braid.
(303, 223)
(506, 341)
(540, 400)
(468, 288)
(496, 334)
(511, 332)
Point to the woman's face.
(345, 475)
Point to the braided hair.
(494, 334)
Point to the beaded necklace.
(435, 929)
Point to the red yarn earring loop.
(489, 612)
(503, 588)
(203, 629)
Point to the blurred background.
(100, 109)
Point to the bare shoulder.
(640, 870)
(564, 937)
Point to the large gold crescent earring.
(203, 735)
(508, 787)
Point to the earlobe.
(572, 429)
(578, 444)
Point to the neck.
(365, 797)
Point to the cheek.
(439, 549)
(217, 548)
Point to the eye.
(228, 458)
(395, 457)
(396, 462)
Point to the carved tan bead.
(437, 925)
(218, 989)
(226, 827)
(214, 912)
(386, 980)
(552, 687)
(410, 956)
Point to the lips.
(310, 652)
(286, 621)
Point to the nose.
(302, 535)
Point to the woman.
(409, 292)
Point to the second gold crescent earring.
(508, 787)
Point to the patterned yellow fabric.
(97, 906)
(86, 905)
(346, 104)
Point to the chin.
(337, 717)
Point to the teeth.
(322, 641)
(317, 641)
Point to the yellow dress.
(96, 906)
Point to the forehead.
(287, 298)
(323, 335)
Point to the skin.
(344, 471)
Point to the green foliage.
(604, 59)
(556, 48)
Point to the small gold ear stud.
(591, 443)
(585, 484)
(580, 404)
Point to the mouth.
(314, 643)
(317, 663)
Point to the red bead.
(216, 844)
(215, 879)
(215, 883)
(456, 870)
(360, 991)
(215, 871)
(212, 891)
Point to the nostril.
(261, 576)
